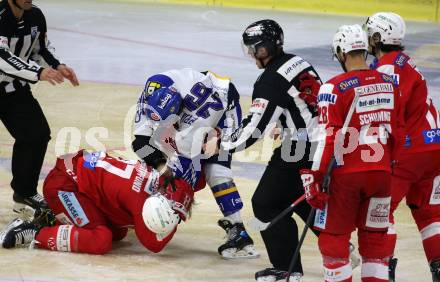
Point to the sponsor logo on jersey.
(378, 212)
(407, 141)
(141, 174)
(290, 69)
(375, 117)
(321, 218)
(71, 204)
(432, 136)
(348, 84)
(327, 97)
(188, 119)
(375, 88)
(381, 101)
(34, 32)
(258, 106)
(400, 60)
(435, 195)
(394, 78)
(4, 43)
(90, 159)
(154, 116)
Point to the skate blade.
(23, 211)
(247, 252)
(14, 223)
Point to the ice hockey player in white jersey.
(196, 103)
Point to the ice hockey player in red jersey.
(96, 198)
(364, 102)
(416, 171)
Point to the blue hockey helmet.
(163, 103)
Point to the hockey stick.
(325, 184)
(258, 225)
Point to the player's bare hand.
(52, 76)
(211, 146)
(68, 73)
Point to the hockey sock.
(70, 238)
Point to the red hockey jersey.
(118, 188)
(422, 121)
(367, 145)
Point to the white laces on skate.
(38, 198)
(24, 237)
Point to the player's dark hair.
(390, 48)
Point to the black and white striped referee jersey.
(24, 48)
(275, 100)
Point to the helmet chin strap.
(342, 64)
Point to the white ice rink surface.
(119, 46)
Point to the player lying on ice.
(96, 198)
(193, 103)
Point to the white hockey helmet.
(390, 26)
(350, 38)
(158, 214)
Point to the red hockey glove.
(312, 187)
(309, 87)
(181, 198)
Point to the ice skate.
(238, 244)
(25, 207)
(272, 275)
(21, 235)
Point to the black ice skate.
(435, 269)
(238, 243)
(21, 235)
(272, 275)
(25, 207)
(392, 270)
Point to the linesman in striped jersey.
(26, 57)
(279, 96)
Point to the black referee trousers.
(23, 117)
(278, 188)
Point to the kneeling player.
(365, 102)
(200, 101)
(95, 197)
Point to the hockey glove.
(309, 87)
(181, 198)
(312, 187)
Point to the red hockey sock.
(70, 238)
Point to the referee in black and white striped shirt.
(279, 96)
(26, 57)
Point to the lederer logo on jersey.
(73, 207)
(348, 84)
(435, 195)
(394, 78)
(381, 101)
(432, 136)
(378, 212)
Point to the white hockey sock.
(235, 218)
